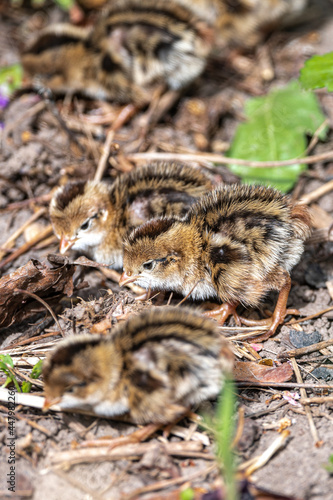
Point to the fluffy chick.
(94, 218)
(135, 45)
(243, 23)
(151, 369)
(157, 41)
(235, 244)
(63, 58)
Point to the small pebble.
(302, 339)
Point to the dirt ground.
(36, 156)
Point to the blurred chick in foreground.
(235, 244)
(94, 217)
(152, 368)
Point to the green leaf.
(225, 429)
(7, 360)
(10, 78)
(64, 4)
(275, 130)
(37, 369)
(26, 386)
(187, 494)
(6, 365)
(318, 72)
(329, 465)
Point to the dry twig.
(26, 246)
(308, 413)
(223, 160)
(160, 485)
(257, 462)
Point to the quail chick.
(235, 244)
(243, 23)
(158, 41)
(63, 59)
(94, 218)
(152, 368)
(135, 45)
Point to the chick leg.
(224, 311)
(279, 314)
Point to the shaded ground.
(36, 156)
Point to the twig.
(260, 413)
(32, 339)
(35, 382)
(26, 246)
(34, 110)
(284, 384)
(316, 193)
(31, 423)
(11, 240)
(189, 293)
(240, 427)
(255, 463)
(317, 400)
(105, 155)
(45, 304)
(160, 485)
(129, 451)
(315, 315)
(26, 399)
(216, 158)
(317, 359)
(315, 137)
(293, 353)
(24, 203)
(124, 115)
(308, 413)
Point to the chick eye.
(85, 225)
(81, 384)
(149, 265)
(75, 386)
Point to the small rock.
(302, 339)
(323, 373)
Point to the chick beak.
(50, 402)
(127, 278)
(65, 245)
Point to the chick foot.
(278, 316)
(224, 311)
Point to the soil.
(38, 155)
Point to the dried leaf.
(249, 371)
(83, 261)
(35, 277)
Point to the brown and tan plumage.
(63, 58)
(157, 41)
(94, 217)
(152, 369)
(243, 23)
(135, 45)
(235, 244)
